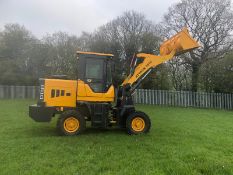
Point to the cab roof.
(94, 53)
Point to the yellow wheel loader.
(91, 97)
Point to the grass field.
(181, 141)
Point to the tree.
(24, 58)
(158, 79)
(16, 42)
(216, 75)
(179, 74)
(124, 36)
(61, 54)
(38, 64)
(211, 24)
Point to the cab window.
(94, 69)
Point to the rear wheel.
(71, 123)
(138, 123)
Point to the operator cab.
(95, 70)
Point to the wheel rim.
(71, 124)
(138, 124)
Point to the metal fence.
(19, 92)
(184, 99)
(143, 96)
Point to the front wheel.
(71, 123)
(138, 123)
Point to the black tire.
(74, 116)
(141, 116)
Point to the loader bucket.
(182, 42)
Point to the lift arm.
(181, 43)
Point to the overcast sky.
(74, 16)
